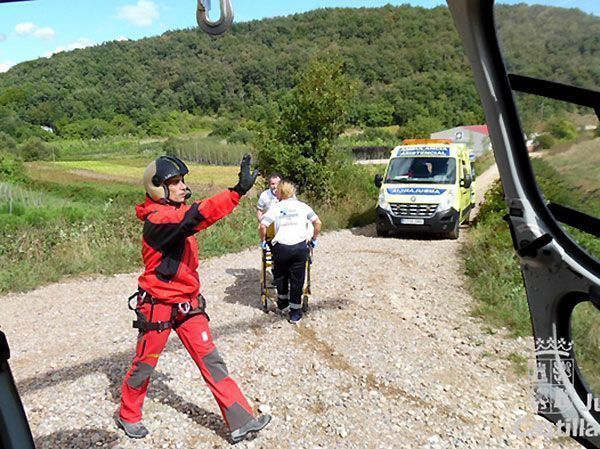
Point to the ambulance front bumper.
(439, 222)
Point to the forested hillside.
(408, 62)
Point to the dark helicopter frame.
(557, 272)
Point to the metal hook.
(221, 25)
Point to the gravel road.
(388, 357)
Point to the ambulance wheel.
(305, 303)
(453, 235)
(381, 232)
(467, 219)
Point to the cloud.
(122, 38)
(5, 65)
(31, 29)
(46, 33)
(142, 14)
(26, 28)
(82, 42)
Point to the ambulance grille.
(413, 210)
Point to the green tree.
(544, 141)
(561, 129)
(7, 143)
(11, 167)
(35, 149)
(314, 113)
(420, 127)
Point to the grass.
(483, 162)
(69, 237)
(126, 171)
(75, 149)
(207, 150)
(77, 217)
(71, 217)
(565, 177)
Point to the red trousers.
(195, 335)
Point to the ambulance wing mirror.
(467, 180)
(378, 180)
(558, 273)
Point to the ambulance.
(428, 187)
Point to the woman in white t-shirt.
(292, 219)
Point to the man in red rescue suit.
(169, 299)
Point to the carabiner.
(221, 25)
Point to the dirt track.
(388, 357)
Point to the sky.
(34, 29)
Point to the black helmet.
(159, 171)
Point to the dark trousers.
(289, 271)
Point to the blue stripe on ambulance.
(414, 191)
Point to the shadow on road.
(87, 437)
(369, 231)
(246, 288)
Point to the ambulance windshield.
(422, 170)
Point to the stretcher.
(268, 290)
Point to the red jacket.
(169, 246)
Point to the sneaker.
(132, 430)
(295, 316)
(249, 430)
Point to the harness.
(185, 308)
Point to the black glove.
(246, 179)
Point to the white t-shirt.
(293, 221)
(266, 200)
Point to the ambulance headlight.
(447, 201)
(383, 203)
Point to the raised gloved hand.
(312, 243)
(264, 246)
(246, 179)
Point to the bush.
(242, 135)
(223, 127)
(90, 128)
(35, 149)
(544, 142)
(420, 127)
(172, 147)
(378, 136)
(7, 143)
(380, 113)
(123, 125)
(161, 124)
(562, 129)
(11, 167)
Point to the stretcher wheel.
(265, 303)
(305, 303)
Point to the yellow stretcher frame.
(265, 286)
